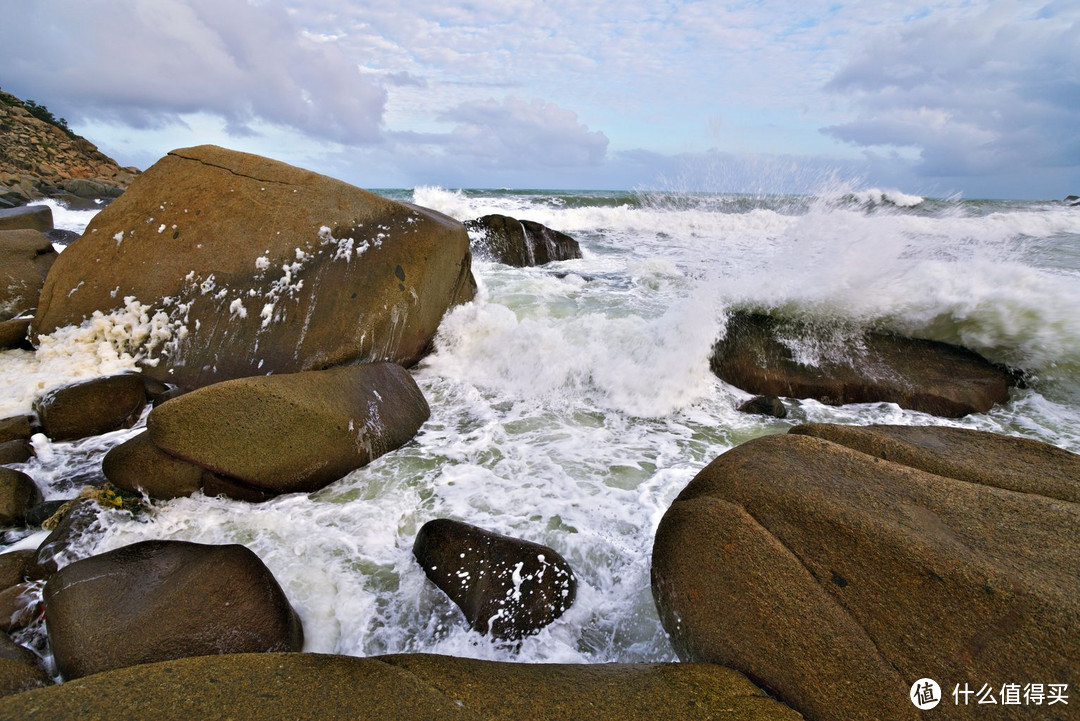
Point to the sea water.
(570, 403)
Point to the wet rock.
(61, 237)
(292, 432)
(403, 688)
(15, 428)
(19, 606)
(18, 494)
(520, 243)
(27, 217)
(159, 600)
(756, 355)
(16, 451)
(266, 268)
(764, 406)
(834, 579)
(507, 587)
(25, 259)
(11, 651)
(13, 567)
(69, 530)
(44, 511)
(138, 465)
(93, 407)
(14, 333)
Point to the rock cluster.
(39, 159)
(834, 578)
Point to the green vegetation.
(38, 111)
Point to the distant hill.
(41, 157)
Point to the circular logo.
(925, 694)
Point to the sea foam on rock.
(25, 259)
(506, 586)
(262, 268)
(765, 355)
(271, 434)
(834, 578)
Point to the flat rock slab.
(262, 267)
(767, 356)
(405, 687)
(836, 579)
(292, 432)
(160, 600)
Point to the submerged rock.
(757, 355)
(93, 407)
(764, 406)
(521, 243)
(159, 600)
(505, 586)
(406, 687)
(261, 267)
(833, 578)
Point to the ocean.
(570, 403)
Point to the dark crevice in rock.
(177, 154)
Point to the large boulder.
(160, 600)
(764, 355)
(279, 434)
(521, 243)
(835, 579)
(261, 268)
(507, 587)
(401, 688)
(91, 407)
(25, 259)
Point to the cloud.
(978, 92)
(146, 64)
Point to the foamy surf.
(571, 403)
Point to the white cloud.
(986, 90)
(149, 63)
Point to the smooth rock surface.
(27, 217)
(507, 587)
(18, 494)
(402, 688)
(835, 579)
(261, 268)
(92, 407)
(292, 432)
(159, 600)
(756, 355)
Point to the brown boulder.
(55, 550)
(292, 432)
(835, 579)
(19, 606)
(263, 268)
(401, 688)
(159, 600)
(18, 494)
(15, 334)
(920, 375)
(17, 677)
(520, 243)
(16, 451)
(90, 408)
(15, 428)
(25, 259)
(27, 217)
(13, 567)
(507, 587)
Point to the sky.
(939, 98)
